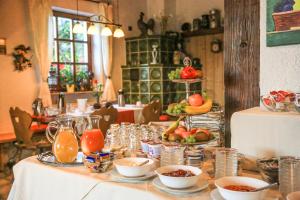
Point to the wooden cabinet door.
(241, 59)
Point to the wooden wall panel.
(241, 48)
(213, 64)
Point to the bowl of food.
(238, 187)
(179, 176)
(268, 168)
(133, 167)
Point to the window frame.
(73, 41)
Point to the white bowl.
(239, 180)
(129, 166)
(178, 182)
(293, 196)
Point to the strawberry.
(267, 101)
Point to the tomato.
(92, 141)
(179, 130)
(273, 92)
(188, 73)
(164, 118)
(196, 100)
(267, 101)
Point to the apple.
(92, 141)
(196, 100)
(179, 130)
(185, 134)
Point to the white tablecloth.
(259, 133)
(36, 181)
(138, 115)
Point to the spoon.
(143, 163)
(263, 188)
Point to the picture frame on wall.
(283, 22)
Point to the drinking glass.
(226, 162)
(289, 174)
(124, 133)
(112, 139)
(172, 155)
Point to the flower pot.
(70, 88)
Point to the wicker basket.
(286, 20)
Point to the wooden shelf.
(203, 32)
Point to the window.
(71, 62)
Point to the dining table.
(129, 113)
(34, 180)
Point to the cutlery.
(266, 187)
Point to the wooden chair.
(21, 121)
(151, 112)
(108, 116)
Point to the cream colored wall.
(21, 88)
(129, 14)
(16, 88)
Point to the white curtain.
(102, 57)
(40, 15)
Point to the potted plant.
(67, 78)
(82, 80)
(98, 91)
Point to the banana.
(196, 110)
(171, 128)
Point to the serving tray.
(48, 158)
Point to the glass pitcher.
(92, 139)
(64, 141)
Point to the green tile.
(143, 45)
(135, 86)
(145, 98)
(154, 97)
(144, 73)
(134, 46)
(126, 86)
(144, 86)
(143, 58)
(156, 86)
(155, 73)
(126, 74)
(134, 98)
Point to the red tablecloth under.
(125, 116)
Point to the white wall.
(279, 66)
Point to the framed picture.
(283, 22)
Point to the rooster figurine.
(145, 28)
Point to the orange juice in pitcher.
(64, 141)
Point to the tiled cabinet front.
(144, 81)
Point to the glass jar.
(172, 155)
(226, 162)
(289, 175)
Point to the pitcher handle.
(49, 135)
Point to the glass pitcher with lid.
(63, 138)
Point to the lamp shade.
(106, 31)
(119, 33)
(92, 30)
(78, 28)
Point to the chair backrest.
(21, 121)
(108, 116)
(151, 112)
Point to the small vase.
(97, 105)
(70, 88)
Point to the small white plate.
(201, 185)
(118, 177)
(215, 195)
